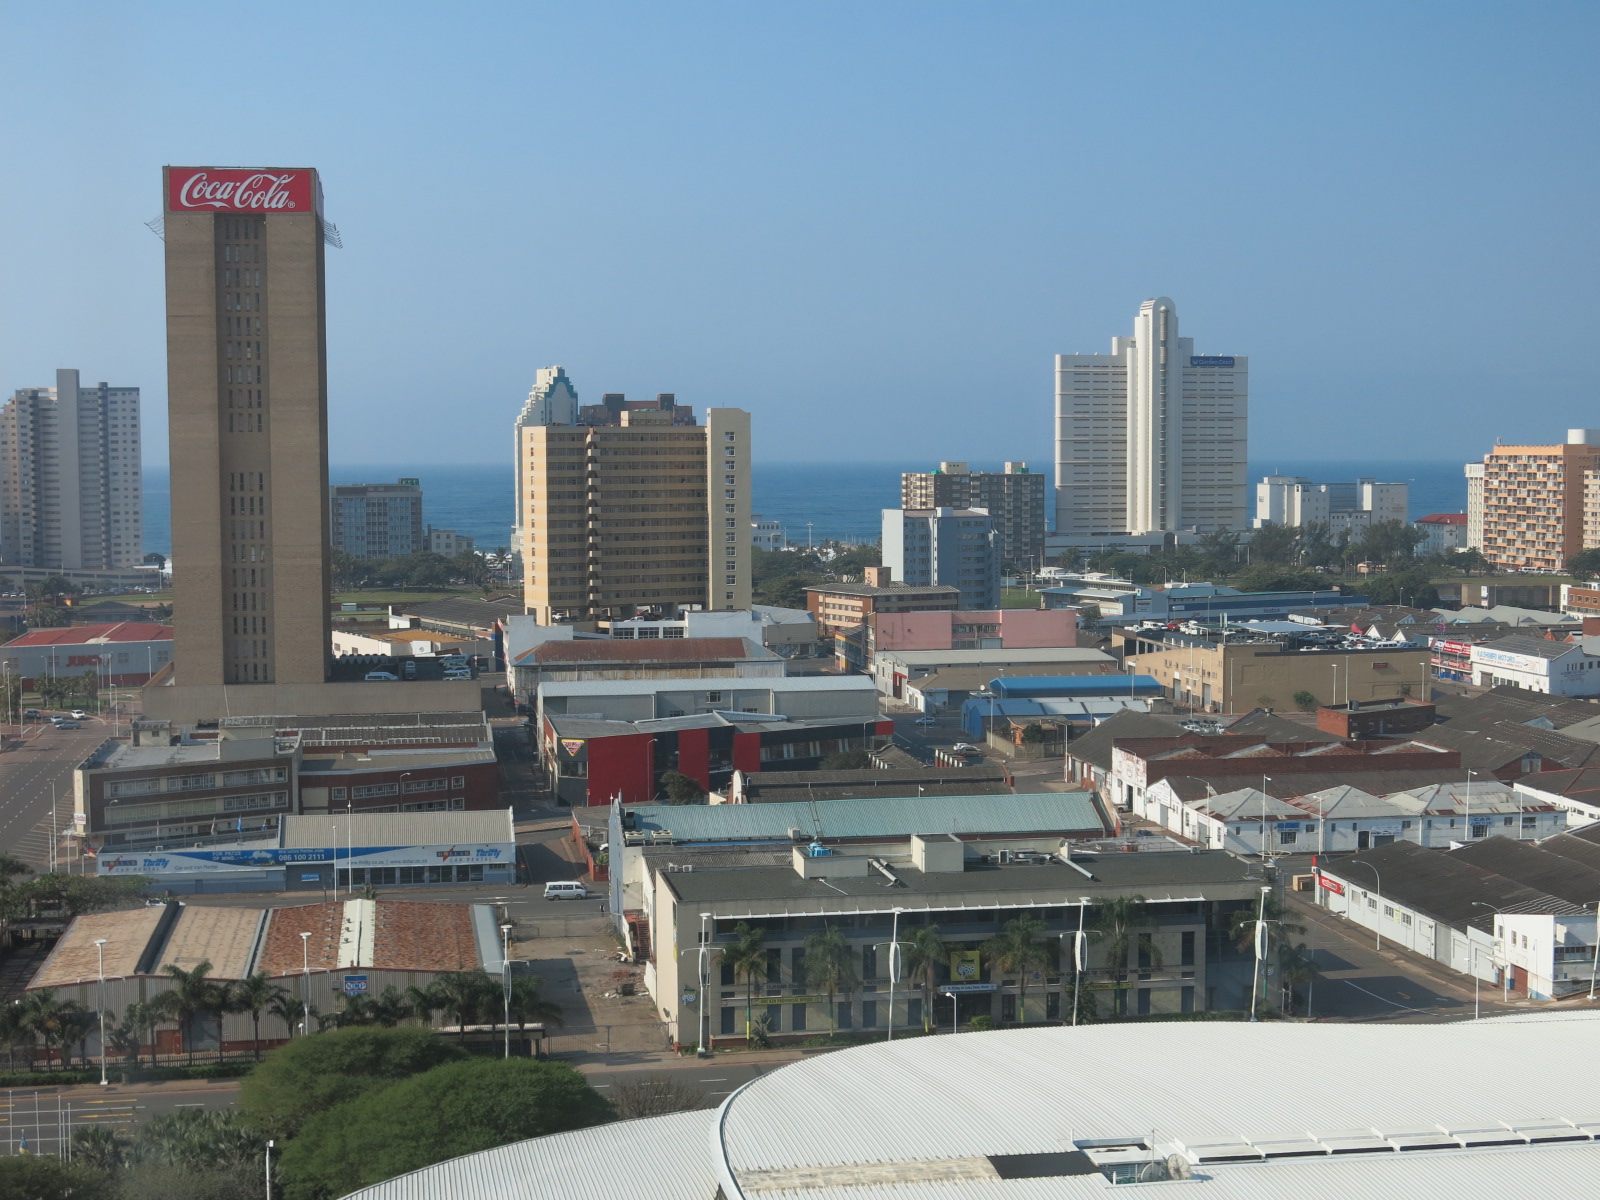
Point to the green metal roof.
(888, 816)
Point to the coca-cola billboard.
(264, 190)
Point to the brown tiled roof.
(649, 650)
(421, 936)
(281, 952)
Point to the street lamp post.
(1594, 969)
(100, 954)
(1467, 835)
(1261, 954)
(1505, 959)
(305, 980)
(1080, 957)
(270, 1144)
(704, 950)
(1265, 779)
(894, 966)
(505, 981)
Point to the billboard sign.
(1330, 885)
(965, 966)
(355, 985)
(241, 190)
(1211, 360)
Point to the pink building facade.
(991, 629)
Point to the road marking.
(1386, 1000)
(598, 1086)
(722, 1079)
(188, 1106)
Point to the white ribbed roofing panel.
(1036, 1090)
(662, 1158)
(1537, 1174)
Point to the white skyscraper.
(1151, 436)
(70, 478)
(552, 401)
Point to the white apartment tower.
(551, 401)
(1152, 436)
(70, 479)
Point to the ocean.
(810, 500)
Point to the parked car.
(32, 714)
(458, 673)
(381, 677)
(410, 669)
(964, 748)
(566, 890)
(65, 724)
(925, 721)
(78, 714)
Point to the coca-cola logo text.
(238, 191)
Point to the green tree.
(1266, 577)
(468, 996)
(1275, 544)
(1118, 921)
(135, 1028)
(39, 1177)
(103, 1147)
(746, 956)
(681, 789)
(1033, 733)
(1412, 588)
(1305, 701)
(55, 1024)
(830, 961)
(312, 1074)
(193, 995)
(1019, 947)
(1242, 924)
(1296, 969)
(456, 1109)
(924, 957)
(288, 1008)
(253, 995)
(529, 1004)
(47, 616)
(52, 588)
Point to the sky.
(872, 225)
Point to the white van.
(568, 890)
(381, 677)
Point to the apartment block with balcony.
(1014, 499)
(1533, 502)
(951, 547)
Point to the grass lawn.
(1019, 598)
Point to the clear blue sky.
(871, 224)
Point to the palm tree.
(1019, 947)
(55, 1024)
(355, 1010)
(1117, 920)
(829, 961)
(288, 1008)
(926, 952)
(102, 1147)
(192, 995)
(252, 994)
(466, 995)
(423, 1002)
(746, 956)
(529, 1005)
(1296, 966)
(1242, 925)
(141, 1019)
(390, 1008)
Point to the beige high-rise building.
(636, 509)
(1533, 501)
(247, 411)
(1474, 473)
(70, 488)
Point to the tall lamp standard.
(305, 980)
(1261, 954)
(1080, 956)
(894, 965)
(1594, 970)
(1467, 835)
(505, 982)
(1505, 959)
(100, 953)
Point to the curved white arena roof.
(1504, 1107)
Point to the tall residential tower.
(70, 488)
(247, 410)
(636, 508)
(1014, 500)
(1151, 436)
(551, 401)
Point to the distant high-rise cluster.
(378, 520)
(1348, 508)
(1152, 436)
(1014, 500)
(70, 477)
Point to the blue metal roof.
(1021, 687)
(886, 816)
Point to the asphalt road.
(30, 773)
(46, 1116)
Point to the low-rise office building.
(792, 632)
(934, 881)
(327, 852)
(800, 697)
(1282, 666)
(1557, 668)
(1120, 600)
(843, 605)
(893, 670)
(611, 659)
(597, 761)
(953, 547)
